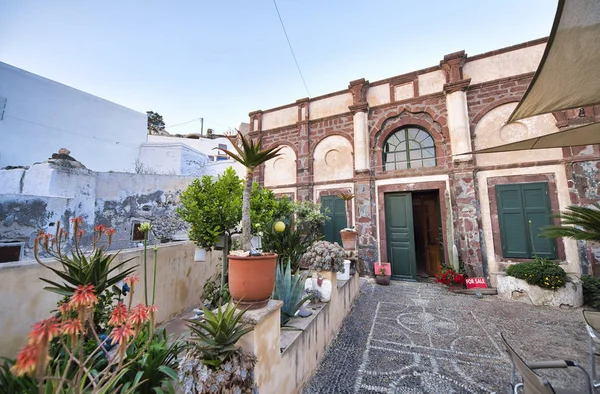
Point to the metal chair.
(535, 384)
(592, 326)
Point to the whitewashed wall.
(42, 116)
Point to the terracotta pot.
(349, 239)
(382, 280)
(252, 279)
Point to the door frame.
(440, 186)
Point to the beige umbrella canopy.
(568, 77)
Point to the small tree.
(250, 155)
(156, 124)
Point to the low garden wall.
(515, 289)
(179, 285)
(287, 358)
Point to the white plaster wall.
(564, 200)
(405, 91)
(520, 61)
(217, 168)
(329, 106)
(43, 116)
(279, 118)
(492, 131)
(172, 159)
(458, 124)
(333, 159)
(282, 169)
(401, 181)
(378, 95)
(10, 181)
(282, 190)
(203, 145)
(432, 82)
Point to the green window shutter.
(512, 221)
(518, 205)
(337, 218)
(536, 203)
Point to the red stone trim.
(490, 107)
(508, 49)
(291, 195)
(519, 165)
(416, 89)
(500, 81)
(514, 179)
(359, 108)
(282, 129)
(458, 86)
(402, 76)
(417, 100)
(440, 186)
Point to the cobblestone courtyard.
(420, 338)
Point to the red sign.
(386, 266)
(476, 283)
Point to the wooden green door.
(335, 208)
(400, 236)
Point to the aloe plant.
(289, 288)
(216, 335)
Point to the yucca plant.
(289, 288)
(577, 222)
(250, 154)
(217, 334)
(79, 268)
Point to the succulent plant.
(325, 256)
(289, 288)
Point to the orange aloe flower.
(71, 327)
(27, 360)
(100, 228)
(121, 334)
(78, 220)
(64, 309)
(84, 296)
(44, 330)
(139, 315)
(132, 279)
(119, 315)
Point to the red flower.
(64, 309)
(27, 360)
(100, 228)
(71, 327)
(121, 334)
(139, 315)
(84, 296)
(119, 315)
(132, 279)
(44, 330)
(77, 220)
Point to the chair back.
(592, 319)
(532, 383)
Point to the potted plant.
(454, 280)
(251, 275)
(348, 234)
(382, 278)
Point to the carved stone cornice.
(364, 107)
(457, 86)
(452, 65)
(359, 89)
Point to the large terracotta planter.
(349, 239)
(252, 279)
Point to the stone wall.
(178, 288)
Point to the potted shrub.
(454, 280)
(251, 275)
(348, 234)
(382, 278)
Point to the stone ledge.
(514, 289)
(255, 316)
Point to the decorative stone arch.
(405, 118)
(281, 170)
(490, 107)
(330, 159)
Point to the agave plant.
(587, 218)
(289, 288)
(250, 154)
(216, 335)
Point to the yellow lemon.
(279, 226)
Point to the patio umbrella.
(568, 77)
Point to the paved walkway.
(420, 338)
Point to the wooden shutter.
(337, 218)
(536, 204)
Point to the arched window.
(409, 147)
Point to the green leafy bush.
(290, 244)
(541, 272)
(591, 291)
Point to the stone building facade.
(404, 146)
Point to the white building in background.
(39, 116)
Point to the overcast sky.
(219, 60)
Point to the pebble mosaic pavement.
(419, 338)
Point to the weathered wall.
(42, 116)
(170, 159)
(178, 288)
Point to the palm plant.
(250, 154)
(289, 288)
(579, 223)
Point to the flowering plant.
(450, 277)
(325, 256)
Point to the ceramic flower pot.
(252, 279)
(349, 239)
(382, 280)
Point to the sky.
(221, 59)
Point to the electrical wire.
(181, 124)
(291, 49)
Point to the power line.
(291, 49)
(181, 124)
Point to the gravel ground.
(420, 338)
